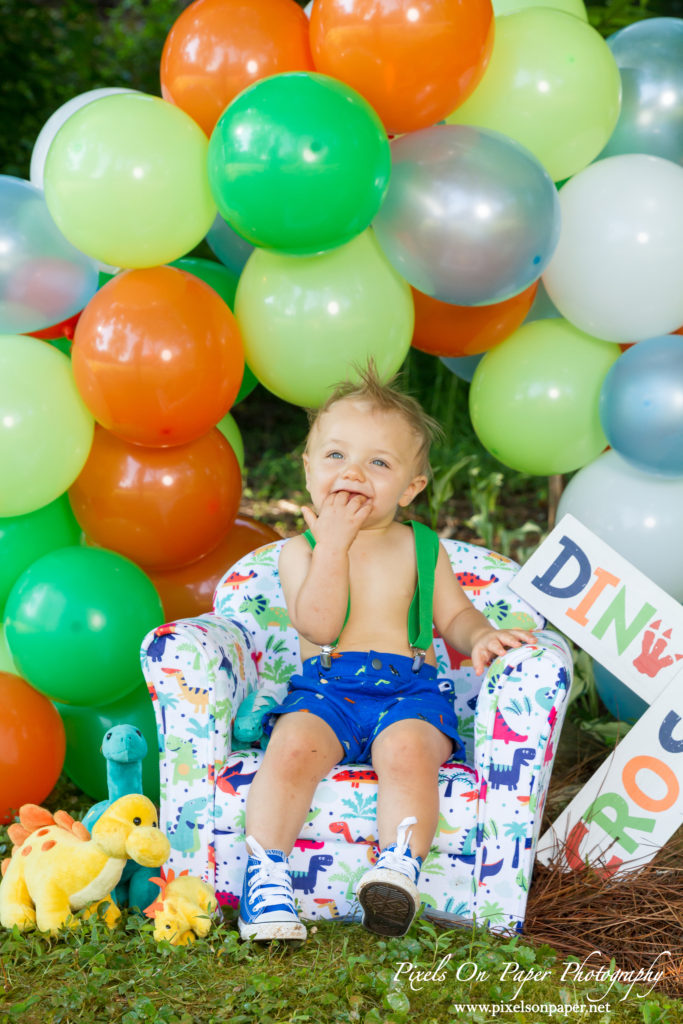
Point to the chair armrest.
(198, 672)
(519, 715)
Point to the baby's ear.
(417, 484)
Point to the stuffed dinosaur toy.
(124, 748)
(57, 867)
(184, 908)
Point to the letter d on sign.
(544, 583)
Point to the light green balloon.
(552, 84)
(6, 659)
(231, 432)
(306, 321)
(45, 428)
(575, 7)
(534, 398)
(127, 183)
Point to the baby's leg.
(302, 749)
(407, 756)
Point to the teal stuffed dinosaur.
(123, 748)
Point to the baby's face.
(357, 448)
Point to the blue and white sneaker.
(267, 908)
(388, 892)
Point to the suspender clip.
(418, 658)
(326, 655)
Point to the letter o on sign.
(658, 767)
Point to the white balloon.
(639, 514)
(55, 122)
(617, 271)
(308, 8)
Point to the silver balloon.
(470, 217)
(650, 59)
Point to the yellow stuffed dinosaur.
(184, 908)
(57, 867)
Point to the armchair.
(199, 671)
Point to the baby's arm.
(316, 582)
(465, 628)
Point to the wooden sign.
(632, 804)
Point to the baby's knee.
(301, 747)
(410, 747)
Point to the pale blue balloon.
(230, 248)
(641, 405)
(471, 217)
(462, 366)
(618, 698)
(649, 54)
(543, 307)
(44, 279)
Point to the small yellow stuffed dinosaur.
(57, 867)
(183, 910)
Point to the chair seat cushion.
(341, 831)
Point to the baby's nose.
(353, 471)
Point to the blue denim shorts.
(362, 693)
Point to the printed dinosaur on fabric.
(56, 868)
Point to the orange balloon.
(189, 591)
(414, 60)
(32, 745)
(157, 356)
(216, 48)
(445, 330)
(160, 507)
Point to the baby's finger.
(310, 518)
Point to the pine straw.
(631, 917)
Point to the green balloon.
(215, 274)
(85, 729)
(575, 7)
(306, 321)
(24, 539)
(534, 398)
(552, 84)
(74, 621)
(6, 662)
(126, 181)
(231, 432)
(249, 382)
(45, 428)
(299, 162)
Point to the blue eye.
(380, 462)
(335, 455)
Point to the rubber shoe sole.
(266, 931)
(390, 902)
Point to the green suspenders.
(420, 612)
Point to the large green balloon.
(45, 428)
(299, 162)
(74, 622)
(126, 181)
(306, 321)
(24, 539)
(85, 729)
(534, 398)
(575, 7)
(552, 84)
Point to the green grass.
(341, 974)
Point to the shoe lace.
(397, 857)
(267, 873)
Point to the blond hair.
(367, 386)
